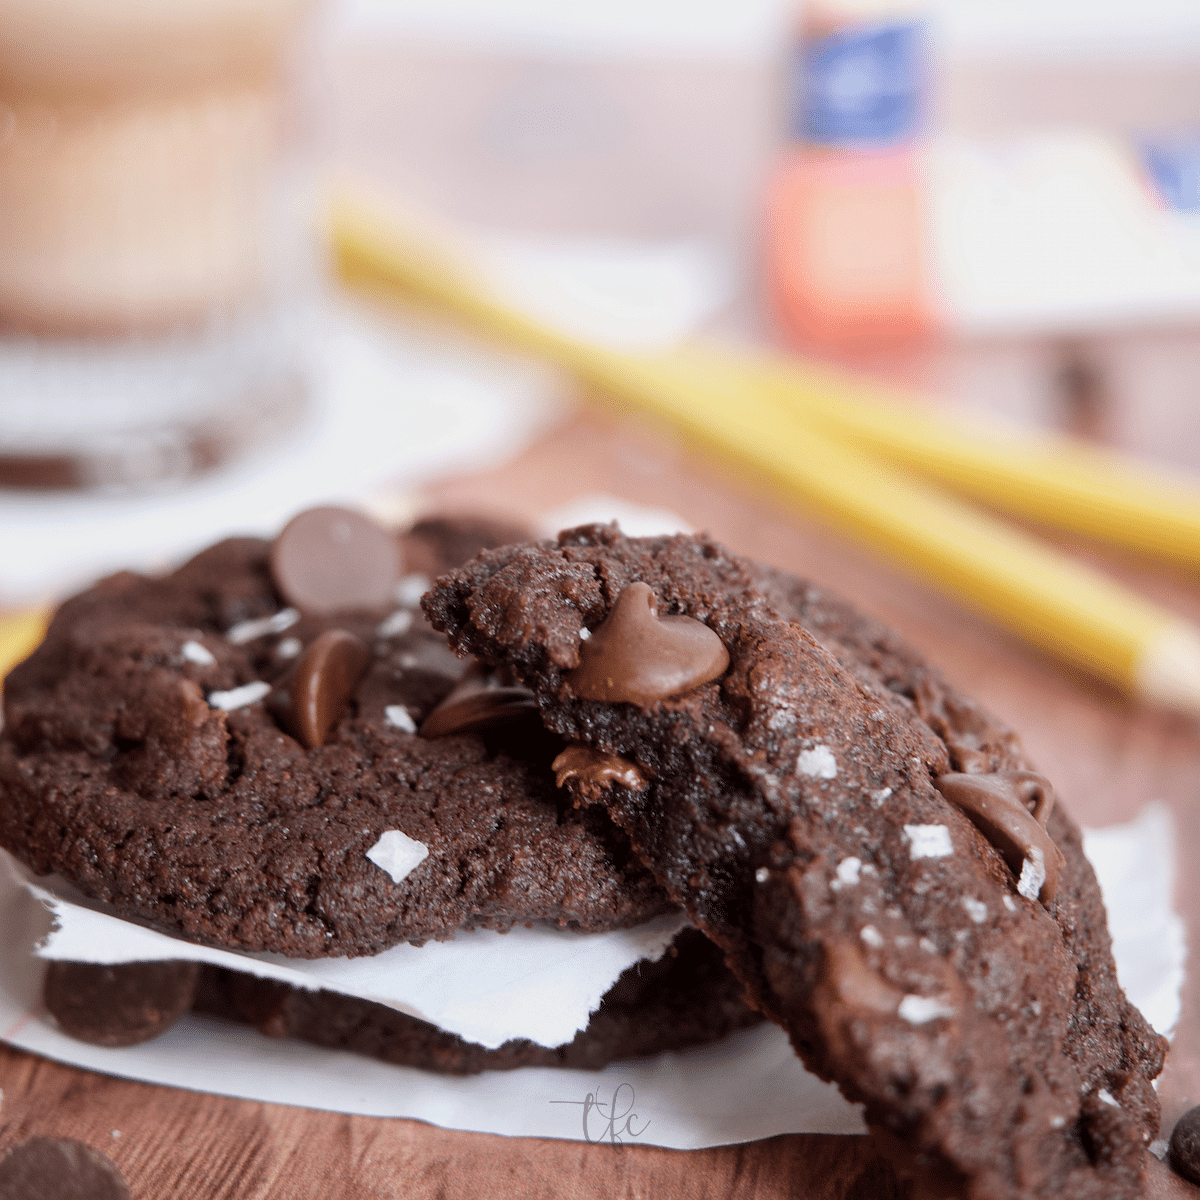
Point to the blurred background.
(996, 206)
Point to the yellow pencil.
(20, 634)
(1058, 605)
(1064, 608)
(1059, 481)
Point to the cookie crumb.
(872, 937)
(976, 909)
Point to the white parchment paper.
(540, 983)
(746, 1087)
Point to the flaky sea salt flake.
(239, 697)
(400, 622)
(847, 872)
(817, 762)
(194, 652)
(928, 841)
(247, 631)
(397, 854)
(919, 1010)
(400, 717)
(1033, 874)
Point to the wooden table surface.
(1106, 757)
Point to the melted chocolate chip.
(119, 1005)
(1011, 809)
(637, 656)
(59, 1169)
(328, 559)
(593, 771)
(1185, 1145)
(481, 701)
(312, 697)
(848, 980)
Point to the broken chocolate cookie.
(809, 810)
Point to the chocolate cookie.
(885, 872)
(118, 1005)
(687, 998)
(199, 755)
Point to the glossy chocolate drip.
(594, 772)
(637, 656)
(1011, 809)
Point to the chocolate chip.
(327, 559)
(1185, 1145)
(121, 1004)
(637, 656)
(593, 771)
(310, 700)
(48, 1168)
(481, 701)
(437, 544)
(1011, 809)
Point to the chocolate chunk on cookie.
(122, 1004)
(48, 1168)
(327, 560)
(208, 751)
(792, 807)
